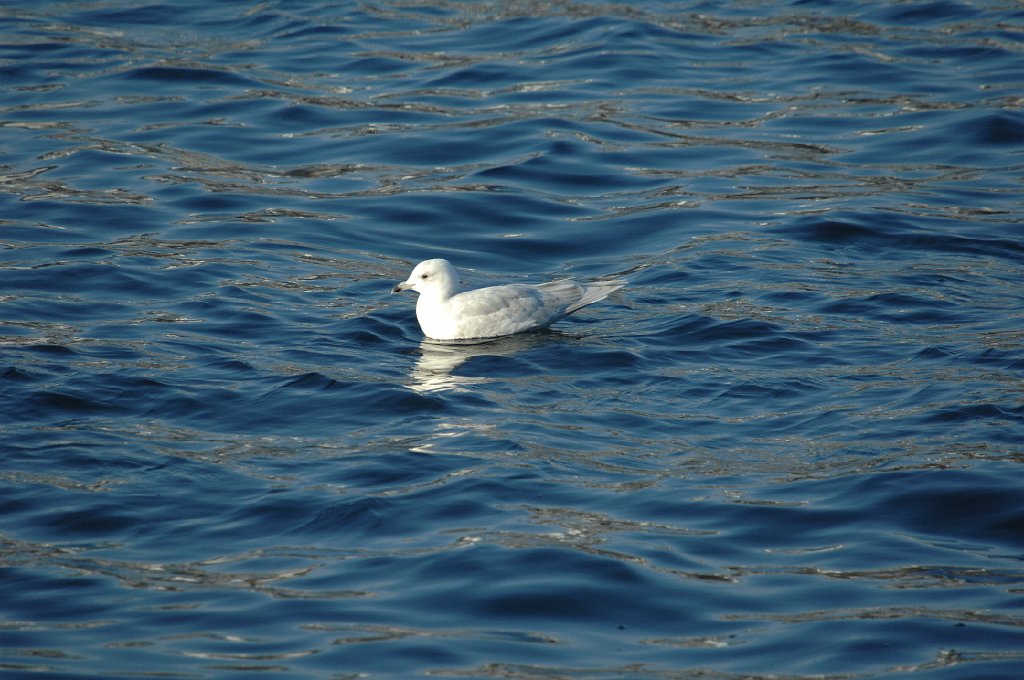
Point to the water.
(790, 448)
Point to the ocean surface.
(792, 447)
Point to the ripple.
(230, 451)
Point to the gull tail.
(592, 292)
(566, 296)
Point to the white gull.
(446, 314)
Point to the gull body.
(445, 313)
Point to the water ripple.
(789, 447)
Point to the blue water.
(791, 447)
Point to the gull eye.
(424, 276)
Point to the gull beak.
(404, 285)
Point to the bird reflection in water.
(436, 366)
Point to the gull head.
(431, 277)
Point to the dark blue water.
(791, 447)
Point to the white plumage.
(445, 313)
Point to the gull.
(445, 313)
